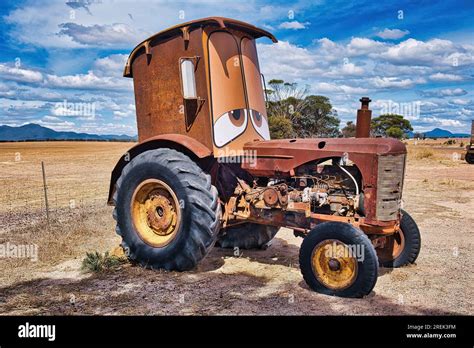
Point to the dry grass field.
(439, 193)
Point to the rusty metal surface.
(472, 133)
(300, 218)
(364, 117)
(183, 143)
(224, 55)
(158, 98)
(389, 186)
(177, 31)
(285, 155)
(193, 145)
(282, 157)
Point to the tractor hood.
(287, 154)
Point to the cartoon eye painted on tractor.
(260, 124)
(229, 126)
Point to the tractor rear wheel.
(470, 158)
(166, 209)
(246, 236)
(403, 247)
(338, 259)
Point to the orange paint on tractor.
(204, 142)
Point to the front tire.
(403, 247)
(167, 211)
(338, 259)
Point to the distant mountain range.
(440, 133)
(35, 132)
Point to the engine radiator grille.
(391, 171)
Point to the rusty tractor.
(470, 147)
(205, 171)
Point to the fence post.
(45, 192)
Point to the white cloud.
(125, 111)
(52, 119)
(16, 111)
(294, 25)
(466, 112)
(38, 22)
(89, 81)
(325, 87)
(286, 61)
(459, 101)
(20, 74)
(363, 46)
(447, 92)
(392, 34)
(116, 35)
(352, 69)
(347, 69)
(445, 77)
(443, 122)
(433, 52)
(111, 65)
(394, 82)
(56, 125)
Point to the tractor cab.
(201, 79)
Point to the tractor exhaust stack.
(364, 116)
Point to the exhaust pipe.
(472, 133)
(364, 116)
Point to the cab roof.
(184, 29)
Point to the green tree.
(390, 125)
(317, 118)
(349, 130)
(291, 113)
(394, 132)
(280, 127)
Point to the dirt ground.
(439, 193)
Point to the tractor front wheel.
(338, 259)
(403, 247)
(166, 209)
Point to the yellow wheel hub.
(333, 264)
(155, 212)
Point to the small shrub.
(424, 153)
(448, 182)
(96, 262)
(450, 142)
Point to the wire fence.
(57, 193)
(31, 197)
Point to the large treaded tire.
(367, 269)
(412, 247)
(470, 158)
(246, 236)
(199, 206)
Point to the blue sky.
(410, 57)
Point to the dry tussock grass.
(70, 235)
(423, 153)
